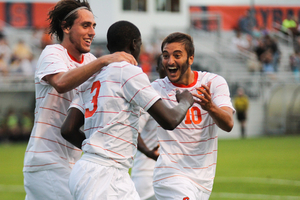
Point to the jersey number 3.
(96, 86)
(193, 115)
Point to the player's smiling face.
(82, 32)
(176, 62)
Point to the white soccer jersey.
(190, 150)
(111, 102)
(144, 166)
(47, 149)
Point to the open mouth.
(88, 41)
(172, 69)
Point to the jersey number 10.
(193, 115)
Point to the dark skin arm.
(223, 116)
(142, 147)
(168, 118)
(66, 81)
(70, 129)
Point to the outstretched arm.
(222, 116)
(66, 81)
(70, 129)
(170, 118)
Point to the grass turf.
(256, 168)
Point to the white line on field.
(252, 196)
(258, 180)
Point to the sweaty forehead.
(174, 47)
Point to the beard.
(183, 68)
(77, 45)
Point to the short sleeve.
(77, 102)
(137, 88)
(50, 62)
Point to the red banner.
(264, 15)
(23, 15)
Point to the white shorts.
(144, 186)
(47, 184)
(178, 189)
(89, 181)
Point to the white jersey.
(190, 150)
(47, 149)
(111, 102)
(144, 166)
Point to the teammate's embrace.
(108, 105)
(62, 67)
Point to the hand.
(119, 57)
(203, 97)
(154, 153)
(186, 95)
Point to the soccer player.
(62, 67)
(108, 105)
(185, 168)
(142, 170)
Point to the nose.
(92, 32)
(171, 60)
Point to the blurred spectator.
(241, 105)
(239, 43)
(21, 50)
(26, 125)
(267, 62)
(3, 66)
(5, 49)
(271, 45)
(21, 60)
(247, 22)
(268, 54)
(290, 24)
(13, 128)
(295, 64)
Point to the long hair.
(57, 15)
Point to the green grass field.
(258, 168)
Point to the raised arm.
(170, 118)
(70, 129)
(222, 116)
(66, 81)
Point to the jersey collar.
(190, 85)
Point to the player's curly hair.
(60, 11)
(181, 38)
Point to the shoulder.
(89, 57)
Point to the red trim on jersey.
(53, 110)
(40, 165)
(36, 137)
(190, 85)
(74, 59)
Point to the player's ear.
(191, 60)
(64, 28)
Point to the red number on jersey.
(96, 85)
(186, 198)
(196, 116)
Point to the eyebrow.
(176, 51)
